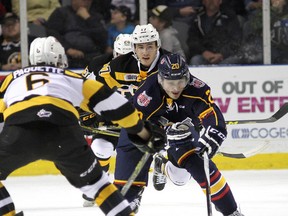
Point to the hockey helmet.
(145, 34)
(173, 67)
(122, 45)
(47, 50)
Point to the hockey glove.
(88, 119)
(156, 142)
(179, 134)
(210, 141)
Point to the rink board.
(241, 92)
(257, 162)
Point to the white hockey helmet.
(122, 45)
(145, 34)
(49, 51)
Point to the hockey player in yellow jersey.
(38, 106)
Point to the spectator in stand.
(10, 50)
(161, 18)
(133, 5)
(252, 48)
(238, 7)
(214, 35)
(38, 12)
(253, 5)
(119, 24)
(182, 10)
(82, 32)
(5, 6)
(103, 8)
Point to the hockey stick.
(104, 131)
(113, 130)
(247, 154)
(275, 117)
(208, 189)
(136, 171)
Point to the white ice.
(259, 193)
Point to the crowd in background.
(205, 32)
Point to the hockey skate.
(20, 214)
(159, 177)
(135, 204)
(88, 202)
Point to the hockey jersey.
(45, 93)
(195, 103)
(125, 72)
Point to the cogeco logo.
(262, 133)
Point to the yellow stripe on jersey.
(215, 188)
(11, 213)
(6, 82)
(129, 121)
(206, 112)
(38, 101)
(2, 106)
(73, 74)
(105, 193)
(89, 89)
(110, 81)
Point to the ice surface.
(259, 193)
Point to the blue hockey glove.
(210, 141)
(179, 134)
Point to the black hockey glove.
(179, 134)
(88, 119)
(210, 141)
(156, 142)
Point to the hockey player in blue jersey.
(184, 105)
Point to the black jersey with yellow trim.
(124, 74)
(195, 102)
(45, 93)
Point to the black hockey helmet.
(173, 66)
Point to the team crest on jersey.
(143, 99)
(44, 114)
(197, 83)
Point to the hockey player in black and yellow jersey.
(183, 104)
(125, 73)
(121, 46)
(38, 106)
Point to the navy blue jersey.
(195, 102)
